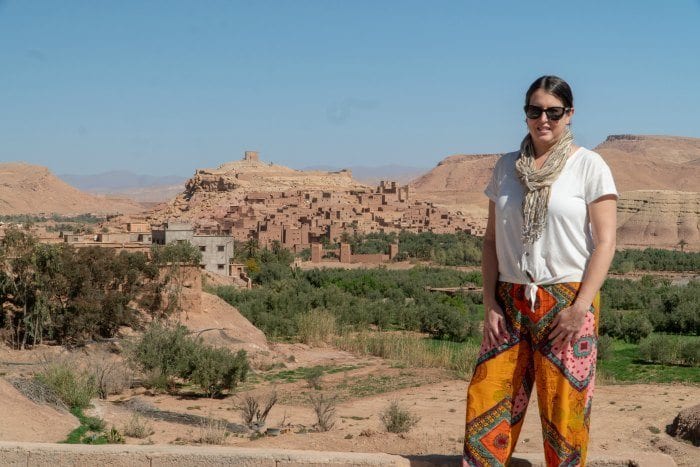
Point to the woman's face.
(546, 132)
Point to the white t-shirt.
(561, 254)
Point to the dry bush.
(112, 375)
(397, 419)
(317, 327)
(113, 436)
(138, 427)
(255, 411)
(213, 431)
(324, 407)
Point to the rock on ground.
(686, 425)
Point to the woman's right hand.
(495, 332)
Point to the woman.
(548, 245)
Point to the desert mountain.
(658, 178)
(33, 189)
(653, 162)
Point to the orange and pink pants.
(505, 374)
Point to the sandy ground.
(24, 420)
(626, 418)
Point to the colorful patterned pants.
(500, 389)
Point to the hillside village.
(296, 219)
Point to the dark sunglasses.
(553, 113)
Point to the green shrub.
(313, 377)
(113, 436)
(690, 352)
(397, 419)
(635, 326)
(216, 369)
(74, 388)
(389, 300)
(163, 353)
(660, 348)
(605, 347)
(610, 322)
(176, 252)
(443, 321)
(670, 350)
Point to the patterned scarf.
(538, 183)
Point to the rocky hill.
(33, 189)
(457, 182)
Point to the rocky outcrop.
(259, 176)
(659, 218)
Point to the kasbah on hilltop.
(306, 211)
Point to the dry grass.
(317, 327)
(213, 431)
(137, 427)
(413, 350)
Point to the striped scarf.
(538, 183)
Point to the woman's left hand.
(567, 325)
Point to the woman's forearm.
(603, 213)
(489, 259)
(595, 273)
(489, 270)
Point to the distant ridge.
(126, 184)
(119, 180)
(33, 189)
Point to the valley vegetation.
(634, 312)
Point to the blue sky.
(164, 87)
